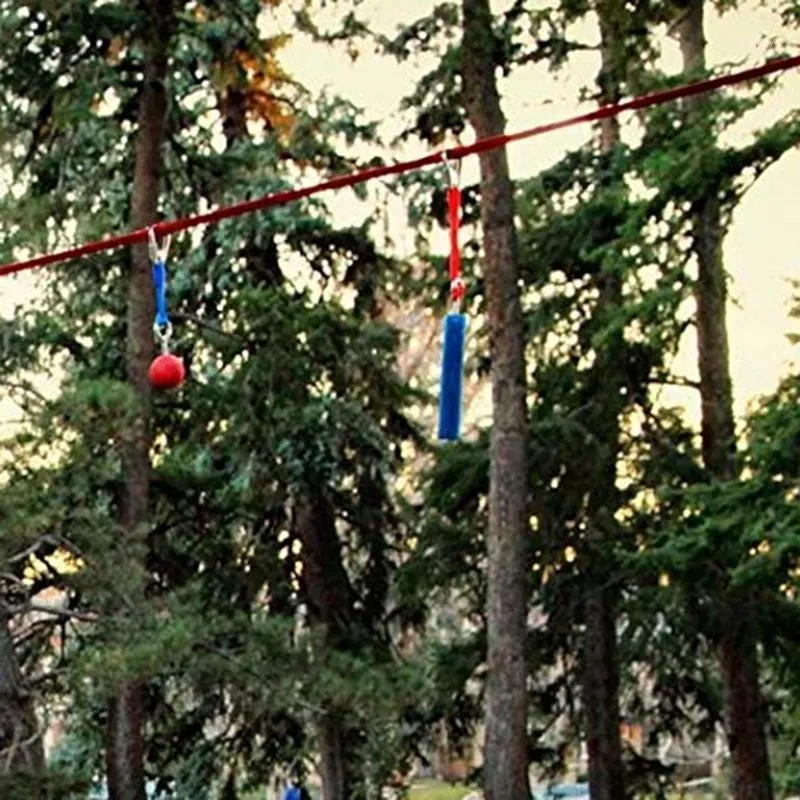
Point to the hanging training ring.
(158, 252)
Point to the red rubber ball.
(166, 372)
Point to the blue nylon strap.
(160, 282)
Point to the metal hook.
(163, 335)
(158, 252)
(452, 172)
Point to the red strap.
(454, 206)
(457, 288)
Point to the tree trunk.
(718, 430)
(745, 711)
(325, 583)
(333, 771)
(329, 596)
(601, 697)
(124, 745)
(21, 750)
(506, 756)
(600, 662)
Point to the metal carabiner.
(158, 252)
(163, 335)
(453, 173)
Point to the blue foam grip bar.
(160, 281)
(452, 381)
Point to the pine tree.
(124, 745)
(735, 644)
(293, 396)
(734, 633)
(506, 770)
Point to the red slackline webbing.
(453, 153)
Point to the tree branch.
(58, 611)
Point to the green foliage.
(293, 389)
(591, 221)
(294, 393)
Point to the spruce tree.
(293, 397)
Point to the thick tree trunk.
(506, 756)
(716, 391)
(124, 745)
(21, 749)
(745, 711)
(329, 597)
(333, 769)
(600, 662)
(601, 697)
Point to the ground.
(433, 790)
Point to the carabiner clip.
(158, 252)
(453, 173)
(163, 333)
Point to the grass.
(433, 790)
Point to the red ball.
(166, 372)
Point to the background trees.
(272, 571)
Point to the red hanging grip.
(457, 287)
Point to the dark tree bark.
(325, 581)
(506, 755)
(601, 697)
(736, 645)
(331, 736)
(600, 662)
(745, 709)
(326, 586)
(124, 745)
(21, 750)
(330, 599)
